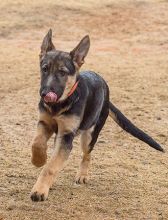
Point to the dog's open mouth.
(51, 97)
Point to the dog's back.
(94, 93)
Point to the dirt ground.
(129, 48)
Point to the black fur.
(91, 99)
(127, 125)
(67, 141)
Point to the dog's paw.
(39, 155)
(81, 179)
(39, 195)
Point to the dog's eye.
(62, 73)
(44, 68)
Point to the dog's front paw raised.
(39, 195)
(39, 155)
(81, 179)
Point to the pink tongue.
(50, 97)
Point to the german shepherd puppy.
(71, 103)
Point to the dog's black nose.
(43, 94)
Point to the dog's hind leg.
(99, 126)
(86, 138)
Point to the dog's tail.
(129, 127)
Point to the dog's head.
(59, 69)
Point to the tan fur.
(47, 118)
(69, 84)
(67, 123)
(86, 157)
(49, 172)
(113, 116)
(60, 155)
(39, 146)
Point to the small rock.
(11, 205)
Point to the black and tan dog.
(71, 103)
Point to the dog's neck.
(63, 105)
(73, 88)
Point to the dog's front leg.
(51, 169)
(39, 146)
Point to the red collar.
(73, 88)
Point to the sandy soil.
(129, 48)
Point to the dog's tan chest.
(67, 123)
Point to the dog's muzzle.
(50, 97)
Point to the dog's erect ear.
(47, 44)
(80, 51)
